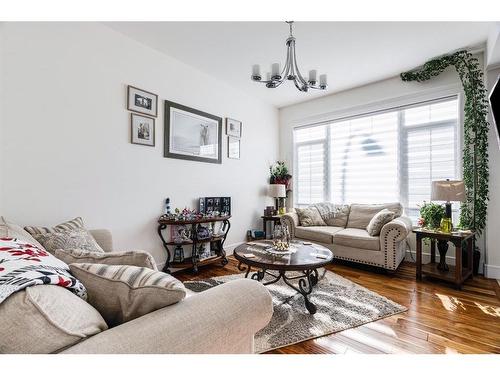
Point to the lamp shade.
(277, 191)
(448, 190)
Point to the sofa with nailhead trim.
(349, 240)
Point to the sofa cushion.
(125, 258)
(123, 293)
(309, 216)
(361, 214)
(378, 221)
(317, 234)
(357, 238)
(45, 319)
(8, 229)
(334, 215)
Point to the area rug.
(341, 305)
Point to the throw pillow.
(361, 214)
(11, 230)
(378, 221)
(309, 216)
(76, 223)
(334, 215)
(23, 264)
(125, 258)
(123, 293)
(44, 319)
(69, 239)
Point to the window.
(381, 157)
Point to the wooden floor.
(439, 319)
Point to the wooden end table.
(305, 261)
(456, 274)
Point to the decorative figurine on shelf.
(167, 207)
(178, 254)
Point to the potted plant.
(279, 175)
(431, 215)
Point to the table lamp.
(278, 191)
(448, 191)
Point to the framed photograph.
(142, 130)
(233, 148)
(191, 134)
(233, 127)
(142, 101)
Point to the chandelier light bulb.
(290, 71)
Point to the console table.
(456, 274)
(216, 242)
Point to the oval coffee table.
(305, 261)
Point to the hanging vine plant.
(475, 150)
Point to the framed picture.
(233, 148)
(142, 130)
(142, 101)
(191, 134)
(233, 127)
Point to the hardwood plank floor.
(439, 319)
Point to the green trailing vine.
(475, 152)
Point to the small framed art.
(233, 148)
(142, 101)
(142, 130)
(233, 127)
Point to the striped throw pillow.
(123, 293)
(76, 223)
(137, 258)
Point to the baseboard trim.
(426, 257)
(491, 271)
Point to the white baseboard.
(426, 257)
(491, 271)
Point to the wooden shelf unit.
(194, 261)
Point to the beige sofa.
(221, 320)
(350, 241)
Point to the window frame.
(452, 93)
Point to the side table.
(273, 219)
(456, 274)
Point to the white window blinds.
(382, 157)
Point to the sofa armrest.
(392, 237)
(103, 238)
(291, 220)
(220, 320)
(398, 228)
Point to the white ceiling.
(351, 53)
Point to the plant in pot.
(431, 215)
(278, 174)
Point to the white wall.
(493, 223)
(66, 145)
(384, 94)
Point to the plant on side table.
(431, 215)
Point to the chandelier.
(290, 71)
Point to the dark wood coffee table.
(305, 260)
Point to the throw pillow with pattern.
(309, 217)
(120, 258)
(76, 223)
(69, 239)
(378, 221)
(123, 293)
(23, 264)
(334, 215)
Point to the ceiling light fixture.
(290, 71)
